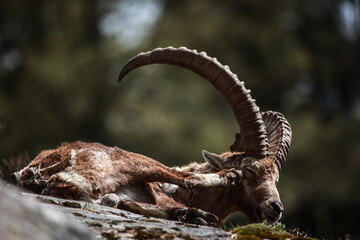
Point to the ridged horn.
(279, 134)
(247, 114)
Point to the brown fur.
(126, 167)
(92, 171)
(254, 195)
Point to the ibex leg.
(164, 207)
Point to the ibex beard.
(241, 180)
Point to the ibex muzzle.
(259, 183)
(256, 196)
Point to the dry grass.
(12, 164)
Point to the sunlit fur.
(254, 196)
(90, 171)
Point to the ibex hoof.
(196, 216)
(110, 200)
(200, 221)
(233, 177)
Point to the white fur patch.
(72, 157)
(109, 180)
(18, 174)
(101, 159)
(69, 175)
(168, 187)
(178, 169)
(111, 150)
(36, 171)
(210, 180)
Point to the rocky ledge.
(31, 216)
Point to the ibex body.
(241, 180)
(112, 176)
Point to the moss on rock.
(264, 231)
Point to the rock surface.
(24, 218)
(32, 216)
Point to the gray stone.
(32, 216)
(23, 218)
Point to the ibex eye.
(249, 170)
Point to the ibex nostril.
(278, 207)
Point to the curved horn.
(279, 134)
(245, 110)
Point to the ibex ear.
(216, 161)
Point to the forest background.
(59, 62)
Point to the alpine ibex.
(241, 180)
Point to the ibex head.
(261, 146)
(260, 199)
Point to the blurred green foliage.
(59, 62)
